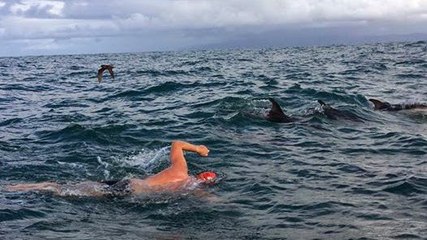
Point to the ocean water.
(316, 178)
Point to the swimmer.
(173, 178)
(102, 69)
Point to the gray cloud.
(193, 21)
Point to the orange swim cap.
(206, 176)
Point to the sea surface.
(315, 178)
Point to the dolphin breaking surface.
(386, 106)
(276, 113)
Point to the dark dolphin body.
(385, 106)
(276, 113)
(335, 114)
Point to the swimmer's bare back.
(172, 178)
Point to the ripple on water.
(19, 214)
(315, 178)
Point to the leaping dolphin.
(276, 113)
(386, 106)
(102, 69)
(335, 114)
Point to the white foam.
(105, 165)
(148, 159)
(82, 189)
(73, 165)
(77, 166)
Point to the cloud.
(235, 13)
(36, 28)
(121, 16)
(37, 8)
(56, 19)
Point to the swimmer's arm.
(177, 152)
(180, 146)
(43, 186)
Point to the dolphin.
(276, 113)
(386, 106)
(335, 114)
(102, 69)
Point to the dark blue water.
(316, 178)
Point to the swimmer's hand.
(202, 150)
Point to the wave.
(10, 121)
(411, 186)
(416, 44)
(409, 75)
(19, 214)
(411, 62)
(25, 88)
(82, 73)
(166, 73)
(337, 95)
(77, 132)
(367, 177)
(168, 87)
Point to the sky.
(44, 27)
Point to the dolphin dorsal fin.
(323, 104)
(276, 113)
(275, 107)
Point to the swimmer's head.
(207, 177)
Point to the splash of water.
(147, 159)
(105, 165)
